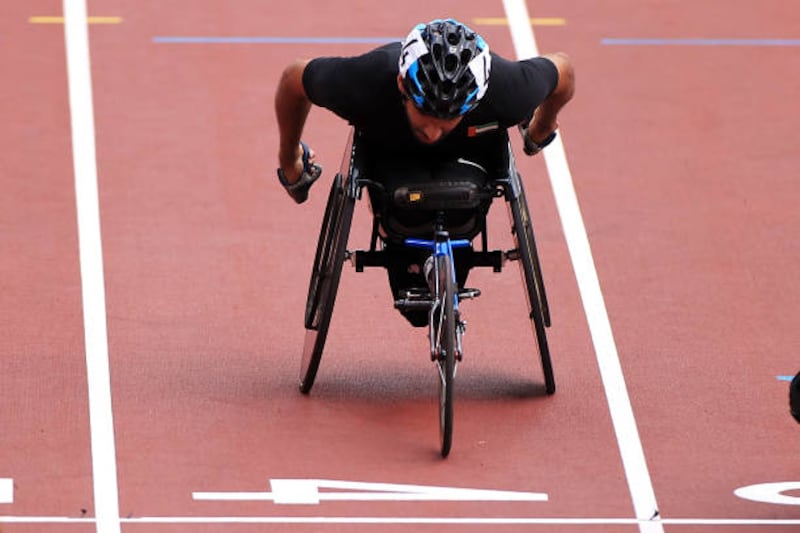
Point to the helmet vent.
(450, 62)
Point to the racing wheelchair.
(428, 233)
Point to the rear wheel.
(325, 276)
(539, 312)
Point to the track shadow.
(392, 385)
(251, 377)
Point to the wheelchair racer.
(440, 94)
(439, 97)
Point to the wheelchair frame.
(331, 253)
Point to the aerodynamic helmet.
(444, 67)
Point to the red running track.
(683, 160)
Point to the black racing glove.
(531, 147)
(794, 397)
(299, 189)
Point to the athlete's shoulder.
(517, 87)
(374, 63)
(354, 87)
(534, 70)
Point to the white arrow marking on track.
(307, 491)
(6, 490)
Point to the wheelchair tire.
(446, 344)
(325, 276)
(530, 268)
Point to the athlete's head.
(444, 68)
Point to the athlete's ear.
(401, 88)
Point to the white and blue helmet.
(445, 68)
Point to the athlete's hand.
(293, 164)
(534, 142)
(298, 172)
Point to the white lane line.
(104, 465)
(6, 490)
(404, 520)
(630, 445)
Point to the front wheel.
(445, 332)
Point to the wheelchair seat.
(410, 199)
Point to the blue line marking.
(700, 42)
(276, 40)
(785, 378)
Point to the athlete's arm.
(291, 109)
(545, 119)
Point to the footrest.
(414, 294)
(408, 305)
(468, 294)
(413, 299)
